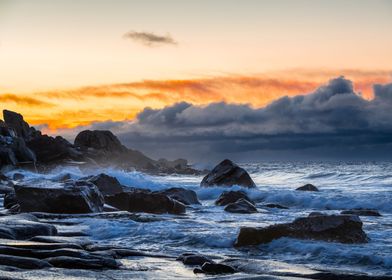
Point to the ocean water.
(209, 230)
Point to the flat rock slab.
(23, 262)
(79, 263)
(62, 239)
(38, 245)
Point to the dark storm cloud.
(150, 39)
(332, 118)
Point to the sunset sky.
(69, 63)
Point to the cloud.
(24, 100)
(333, 117)
(150, 39)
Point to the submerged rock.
(182, 195)
(227, 173)
(108, 185)
(241, 206)
(333, 228)
(227, 197)
(215, 268)
(70, 198)
(194, 259)
(362, 212)
(274, 205)
(145, 201)
(308, 188)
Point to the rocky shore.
(37, 239)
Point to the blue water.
(208, 229)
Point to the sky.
(68, 65)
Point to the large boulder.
(68, 198)
(228, 174)
(227, 197)
(16, 122)
(241, 206)
(145, 201)
(333, 228)
(182, 195)
(107, 185)
(102, 140)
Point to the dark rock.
(18, 176)
(274, 205)
(24, 226)
(334, 228)
(108, 185)
(217, 268)
(16, 122)
(194, 259)
(79, 263)
(103, 140)
(362, 212)
(73, 198)
(308, 188)
(62, 178)
(182, 195)
(227, 197)
(82, 241)
(227, 173)
(241, 206)
(10, 199)
(145, 201)
(23, 262)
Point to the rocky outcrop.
(227, 174)
(333, 228)
(182, 195)
(16, 122)
(100, 140)
(145, 201)
(68, 198)
(107, 185)
(362, 212)
(308, 188)
(241, 206)
(227, 197)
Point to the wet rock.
(333, 228)
(308, 188)
(80, 263)
(274, 205)
(216, 268)
(18, 176)
(362, 212)
(108, 185)
(193, 259)
(102, 140)
(145, 201)
(182, 195)
(24, 226)
(227, 197)
(62, 239)
(241, 206)
(16, 122)
(72, 198)
(6, 189)
(23, 262)
(228, 174)
(10, 199)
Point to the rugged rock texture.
(24, 226)
(145, 201)
(334, 228)
(194, 259)
(16, 122)
(69, 198)
(101, 140)
(182, 195)
(362, 212)
(228, 174)
(241, 206)
(227, 197)
(107, 185)
(308, 188)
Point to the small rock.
(182, 195)
(18, 176)
(108, 185)
(217, 268)
(241, 206)
(362, 212)
(274, 205)
(227, 197)
(308, 188)
(193, 259)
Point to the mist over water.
(208, 229)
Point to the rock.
(182, 195)
(18, 176)
(362, 212)
(16, 122)
(108, 185)
(216, 268)
(227, 197)
(79, 263)
(72, 198)
(24, 226)
(193, 259)
(10, 200)
(103, 140)
(241, 206)
(82, 241)
(145, 201)
(274, 205)
(308, 188)
(333, 228)
(23, 262)
(227, 173)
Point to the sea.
(208, 229)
